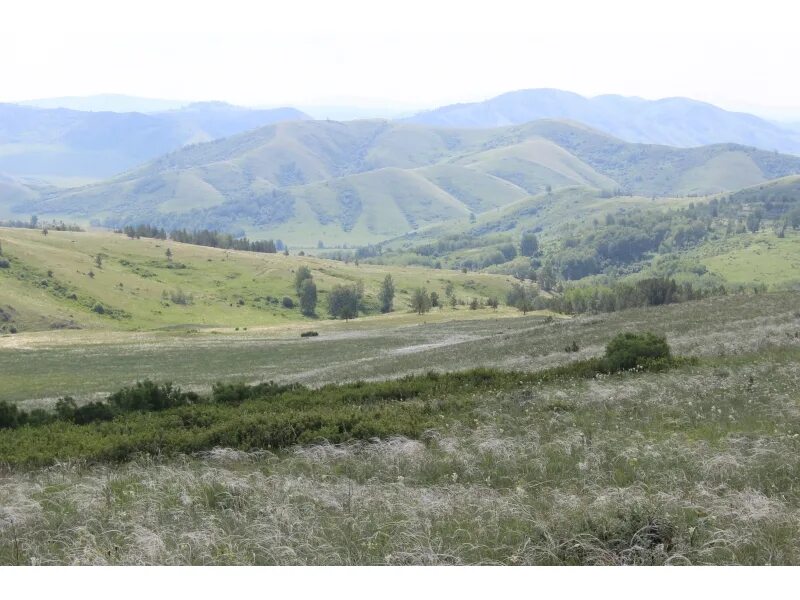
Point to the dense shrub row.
(156, 418)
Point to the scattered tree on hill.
(529, 244)
(168, 254)
(420, 301)
(308, 296)
(344, 301)
(98, 261)
(521, 297)
(386, 295)
(302, 273)
(493, 302)
(754, 221)
(546, 277)
(435, 300)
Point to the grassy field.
(40, 366)
(696, 465)
(228, 288)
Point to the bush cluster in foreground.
(162, 419)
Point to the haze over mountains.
(108, 103)
(670, 121)
(62, 143)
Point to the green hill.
(364, 181)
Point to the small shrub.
(573, 347)
(92, 412)
(99, 309)
(149, 396)
(230, 393)
(4, 264)
(287, 302)
(180, 297)
(309, 334)
(9, 415)
(628, 350)
(65, 408)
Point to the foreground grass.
(697, 465)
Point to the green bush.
(629, 350)
(149, 396)
(92, 412)
(230, 393)
(4, 264)
(309, 334)
(9, 415)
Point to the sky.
(407, 55)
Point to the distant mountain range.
(52, 142)
(62, 143)
(671, 121)
(277, 173)
(365, 181)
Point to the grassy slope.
(756, 258)
(217, 279)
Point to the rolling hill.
(366, 181)
(54, 282)
(60, 143)
(671, 121)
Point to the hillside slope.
(54, 282)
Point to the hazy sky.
(410, 53)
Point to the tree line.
(205, 237)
